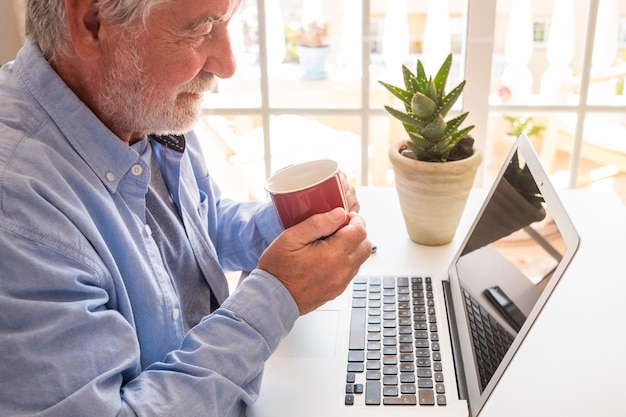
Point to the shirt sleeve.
(217, 378)
(66, 352)
(240, 231)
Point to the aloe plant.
(426, 104)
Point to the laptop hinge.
(461, 382)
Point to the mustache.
(204, 81)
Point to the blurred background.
(552, 68)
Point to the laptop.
(433, 344)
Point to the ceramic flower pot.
(432, 194)
(314, 61)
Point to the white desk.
(573, 362)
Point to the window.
(540, 32)
(271, 114)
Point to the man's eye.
(204, 32)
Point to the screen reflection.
(506, 264)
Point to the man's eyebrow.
(212, 18)
(209, 19)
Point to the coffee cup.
(302, 190)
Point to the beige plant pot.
(432, 194)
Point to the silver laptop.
(432, 344)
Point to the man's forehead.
(211, 11)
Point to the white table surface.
(573, 362)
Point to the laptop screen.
(507, 262)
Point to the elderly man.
(113, 235)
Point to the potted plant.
(312, 49)
(522, 124)
(435, 168)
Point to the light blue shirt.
(90, 322)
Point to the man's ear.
(84, 27)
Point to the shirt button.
(136, 170)
(175, 314)
(110, 177)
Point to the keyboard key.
(359, 302)
(423, 363)
(407, 367)
(422, 344)
(373, 337)
(373, 328)
(424, 383)
(407, 378)
(408, 389)
(441, 400)
(349, 400)
(390, 360)
(372, 393)
(426, 397)
(390, 380)
(355, 367)
(406, 357)
(372, 375)
(422, 353)
(389, 333)
(390, 350)
(424, 373)
(403, 400)
(357, 329)
(390, 370)
(373, 355)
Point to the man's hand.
(317, 258)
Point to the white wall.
(10, 37)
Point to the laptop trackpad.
(313, 336)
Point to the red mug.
(302, 190)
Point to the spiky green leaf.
(422, 78)
(442, 76)
(435, 129)
(406, 118)
(422, 106)
(402, 94)
(448, 101)
(431, 91)
(453, 124)
(460, 134)
(418, 144)
(410, 81)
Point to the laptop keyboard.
(394, 356)
(490, 340)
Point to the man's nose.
(220, 58)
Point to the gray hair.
(46, 21)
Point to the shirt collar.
(107, 155)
